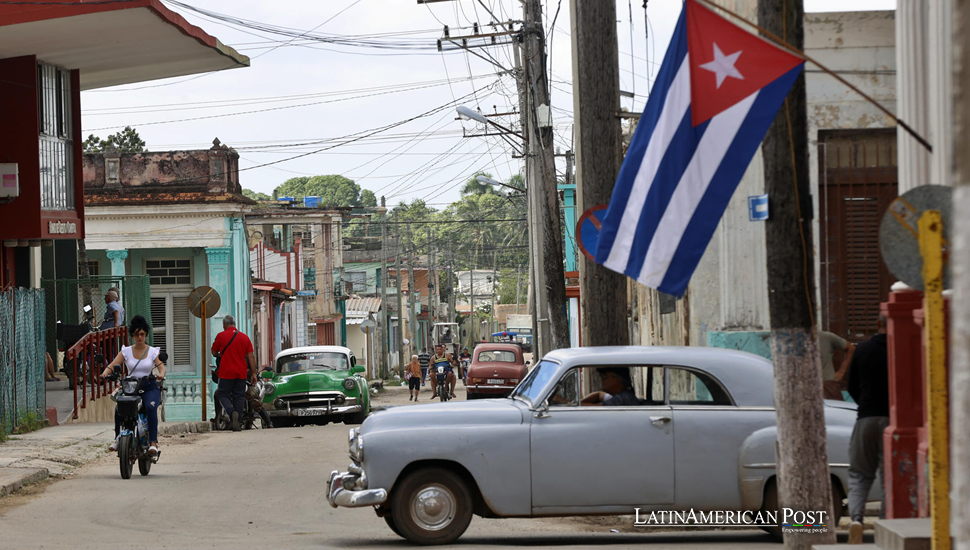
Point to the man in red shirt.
(237, 364)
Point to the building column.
(117, 258)
(912, 93)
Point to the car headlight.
(129, 385)
(269, 388)
(350, 384)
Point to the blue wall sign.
(758, 208)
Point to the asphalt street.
(267, 488)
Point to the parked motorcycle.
(133, 440)
(248, 419)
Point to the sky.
(376, 101)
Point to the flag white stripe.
(720, 134)
(674, 109)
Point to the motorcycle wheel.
(443, 394)
(126, 459)
(144, 465)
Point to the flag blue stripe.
(675, 161)
(711, 208)
(676, 52)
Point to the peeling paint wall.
(215, 169)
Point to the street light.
(471, 114)
(490, 181)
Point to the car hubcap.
(433, 507)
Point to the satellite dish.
(899, 232)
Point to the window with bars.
(169, 272)
(172, 328)
(94, 268)
(56, 148)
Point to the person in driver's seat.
(617, 389)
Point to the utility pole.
(432, 282)
(803, 469)
(451, 287)
(550, 318)
(382, 328)
(494, 286)
(416, 324)
(473, 331)
(596, 102)
(960, 307)
(518, 290)
(400, 304)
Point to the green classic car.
(316, 385)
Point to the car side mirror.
(357, 368)
(543, 410)
(163, 357)
(266, 375)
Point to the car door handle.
(659, 421)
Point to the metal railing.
(22, 379)
(82, 359)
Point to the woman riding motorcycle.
(139, 360)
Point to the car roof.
(497, 346)
(746, 376)
(312, 349)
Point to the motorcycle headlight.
(441, 370)
(269, 388)
(350, 384)
(129, 385)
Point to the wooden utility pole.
(400, 305)
(550, 319)
(432, 282)
(382, 331)
(960, 306)
(518, 290)
(802, 461)
(473, 329)
(596, 102)
(415, 324)
(494, 287)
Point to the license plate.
(495, 381)
(310, 412)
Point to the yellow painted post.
(931, 248)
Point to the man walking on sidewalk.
(869, 387)
(237, 364)
(424, 359)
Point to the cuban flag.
(716, 94)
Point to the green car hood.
(315, 380)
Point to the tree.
(125, 141)
(367, 198)
(475, 187)
(256, 196)
(333, 190)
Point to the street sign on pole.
(588, 230)
(204, 302)
(899, 233)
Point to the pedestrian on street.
(414, 378)
(237, 364)
(424, 359)
(869, 387)
(828, 343)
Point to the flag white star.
(723, 65)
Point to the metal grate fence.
(22, 349)
(67, 297)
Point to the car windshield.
(321, 360)
(496, 356)
(535, 381)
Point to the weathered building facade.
(177, 217)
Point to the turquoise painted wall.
(756, 342)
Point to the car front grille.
(314, 399)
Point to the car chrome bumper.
(349, 489)
(315, 411)
(478, 387)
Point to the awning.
(113, 43)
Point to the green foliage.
(333, 190)
(30, 422)
(507, 286)
(367, 198)
(125, 141)
(250, 194)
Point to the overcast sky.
(312, 94)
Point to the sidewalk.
(57, 451)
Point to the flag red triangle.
(727, 63)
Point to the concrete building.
(853, 179)
(177, 217)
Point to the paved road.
(267, 489)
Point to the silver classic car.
(698, 435)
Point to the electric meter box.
(9, 181)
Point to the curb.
(20, 478)
(176, 428)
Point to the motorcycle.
(444, 393)
(133, 440)
(248, 418)
(464, 370)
